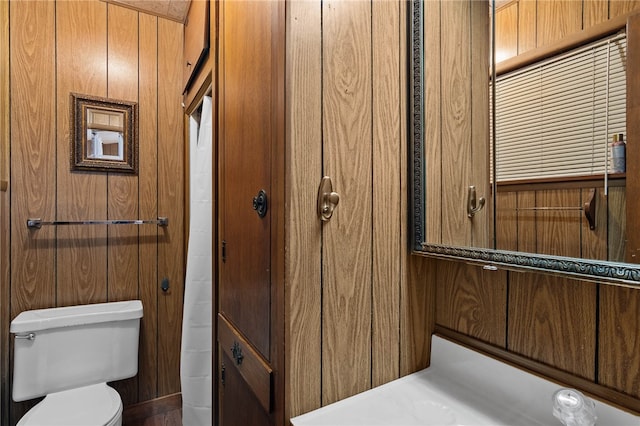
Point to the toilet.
(68, 355)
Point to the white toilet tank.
(64, 348)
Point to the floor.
(171, 418)
(165, 411)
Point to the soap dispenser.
(618, 157)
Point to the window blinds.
(553, 117)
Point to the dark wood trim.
(562, 378)
(567, 43)
(633, 127)
(144, 410)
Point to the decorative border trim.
(586, 269)
(622, 273)
(416, 127)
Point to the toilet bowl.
(98, 405)
(68, 355)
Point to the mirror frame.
(79, 104)
(590, 270)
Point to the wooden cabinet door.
(248, 131)
(196, 39)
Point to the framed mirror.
(104, 134)
(578, 223)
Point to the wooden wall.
(456, 123)
(99, 49)
(524, 25)
(562, 232)
(579, 333)
(352, 319)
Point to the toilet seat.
(95, 405)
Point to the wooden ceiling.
(171, 9)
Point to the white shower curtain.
(196, 357)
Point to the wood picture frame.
(104, 134)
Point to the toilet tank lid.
(42, 319)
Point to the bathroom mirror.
(104, 134)
(460, 208)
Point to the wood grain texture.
(433, 121)
(77, 264)
(303, 237)
(33, 154)
(619, 344)
(632, 252)
(553, 320)
(471, 300)
(557, 19)
(417, 321)
(593, 242)
(506, 221)
(148, 205)
(387, 221)
(5, 224)
(527, 25)
(621, 7)
(456, 121)
(481, 225)
(80, 27)
(171, 252)
(558, 231)
(616, 224)
(122, 190)
(347, 154)
(594, 12)
(507, 31)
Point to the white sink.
(461, 387)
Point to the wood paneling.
(617, 224)
(632, 253)
(122, 252)
(80, 27)
(593, 242)
(507, 27)
(148, 208)
(558, 231)
(527, 25)
(471, 300)
(557, 19)
(433, 120)
(619, 340)
(620, 7)
(303, 237)
(387, 163)
(347, 157)
(171, 252)
(33, 153)
(550, 24)
(5, 224)
(506, 217)
(456, 121)
(553, 320)
(417, 320)
(83, 264)
(594, 12)
(479, 174)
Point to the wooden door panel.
(247, 134)
(252, 368)
(238, 405)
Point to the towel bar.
(38, 223)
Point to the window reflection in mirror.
(105, 131)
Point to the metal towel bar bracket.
(589, 209)
(38, 223)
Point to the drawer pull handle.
(236, 352)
